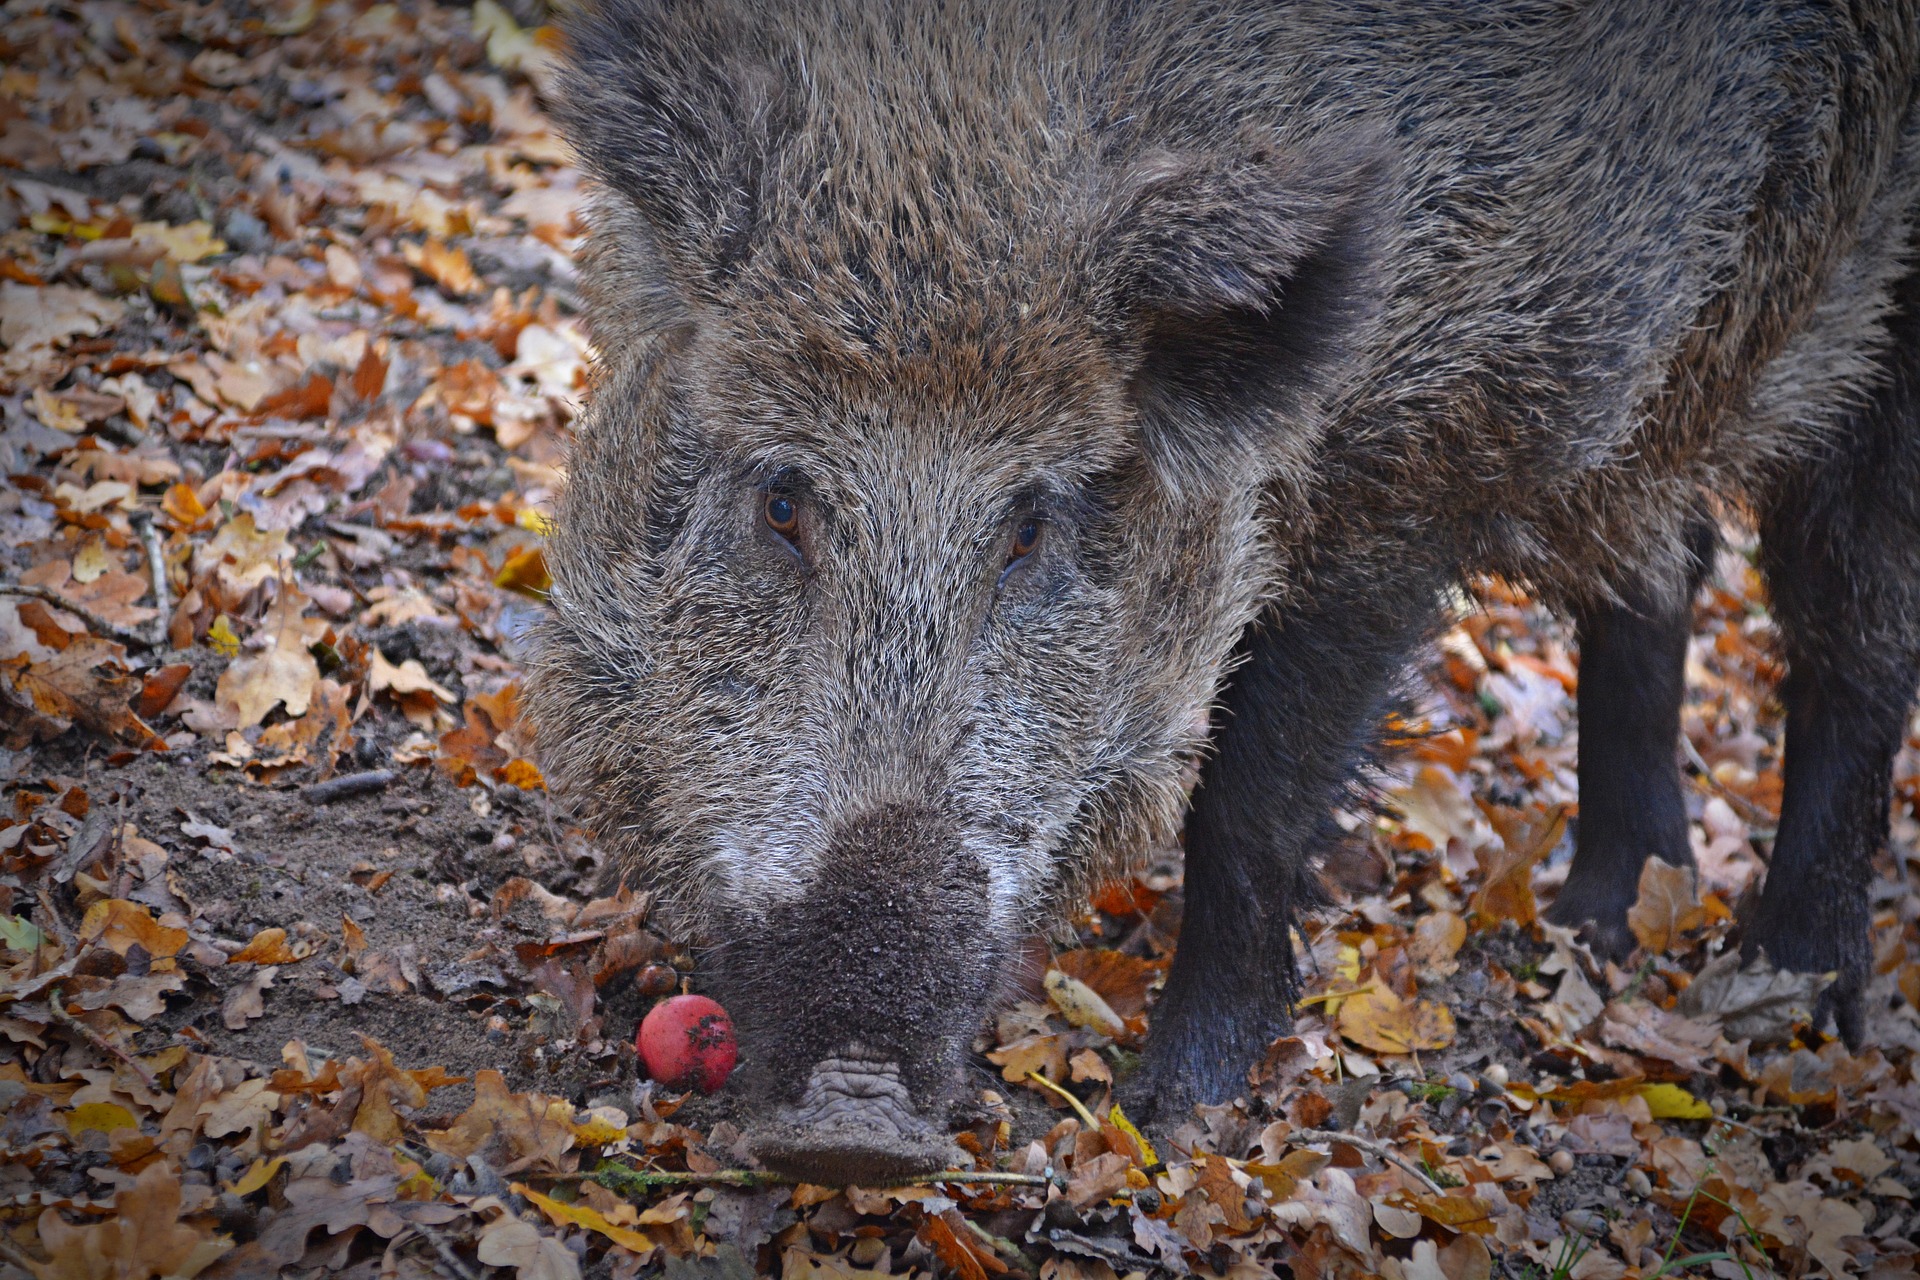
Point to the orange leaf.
(120, 925)
(269, 946)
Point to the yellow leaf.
(534, 521)
(258, 1175)
(1118, 1119)
(526, 572)
(596, 1132)
(1671, 1102)
(581, 1215)
(1381, 1021)
(220, 635)
(104, 1116)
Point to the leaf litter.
(304, 972)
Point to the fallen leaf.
(1668, 906)
(1378, 1019)
(144, 1238)
(1756, 1002)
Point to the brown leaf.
(120, 925)
(1116, 977)
(283, 673)
(144, 1238)
(1506, 891)
(269, 946)
(1380, 1020)
(515, 1131)
(247, 1000)
(1668, 906)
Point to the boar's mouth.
(855, 1123)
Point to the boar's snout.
(855, 1123)
(856, 998)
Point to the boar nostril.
(867, 1092)
(856, 1122)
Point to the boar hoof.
(1599, 918)
(1803, 947)
(855, 1124)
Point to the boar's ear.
(677, 108)
(1243, 279)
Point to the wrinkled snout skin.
(1007, 411)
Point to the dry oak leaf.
(247, 1000)
(513, 1242)
(1668, 906)
(1042, 1054)
(269, 946)
(83, 683)
(1754, 1002)
(1819, 1225)
(1653, 1032)
(280, 673)
(120, 925)
(1378, 1019)
(1437, 939)
(1506, 891)
(143, 1239)
(516, 1131)
(31, 317)
(1330, 1200)
(243, 555)
(446, 266)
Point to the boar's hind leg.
(1298, 715)
(1632, 677)
(1840, 544)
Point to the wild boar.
(1008, 409)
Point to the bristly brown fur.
(1292, 312)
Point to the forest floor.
(305, 974)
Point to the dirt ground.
(305, 972)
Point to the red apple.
(687, 1042)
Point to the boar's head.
(921, 497)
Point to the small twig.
(348, 784)
(13, 1255)
(627, 1181)
(68, 943)
(1372, 1148)
(1748, 810)
(100, 1042)
(451, 1259)
(157, 569)
(125, 635)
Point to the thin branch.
(620, 1178)
(125, 635)
(157, 570)
(100, 1042)
(1765, 823)
(448, 1258)
(1372, 1148)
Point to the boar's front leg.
(1298, 716)
(1633, 657)
(1840, 545)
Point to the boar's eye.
(781, 513)
(1026, 537)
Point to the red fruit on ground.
(687, 1043)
